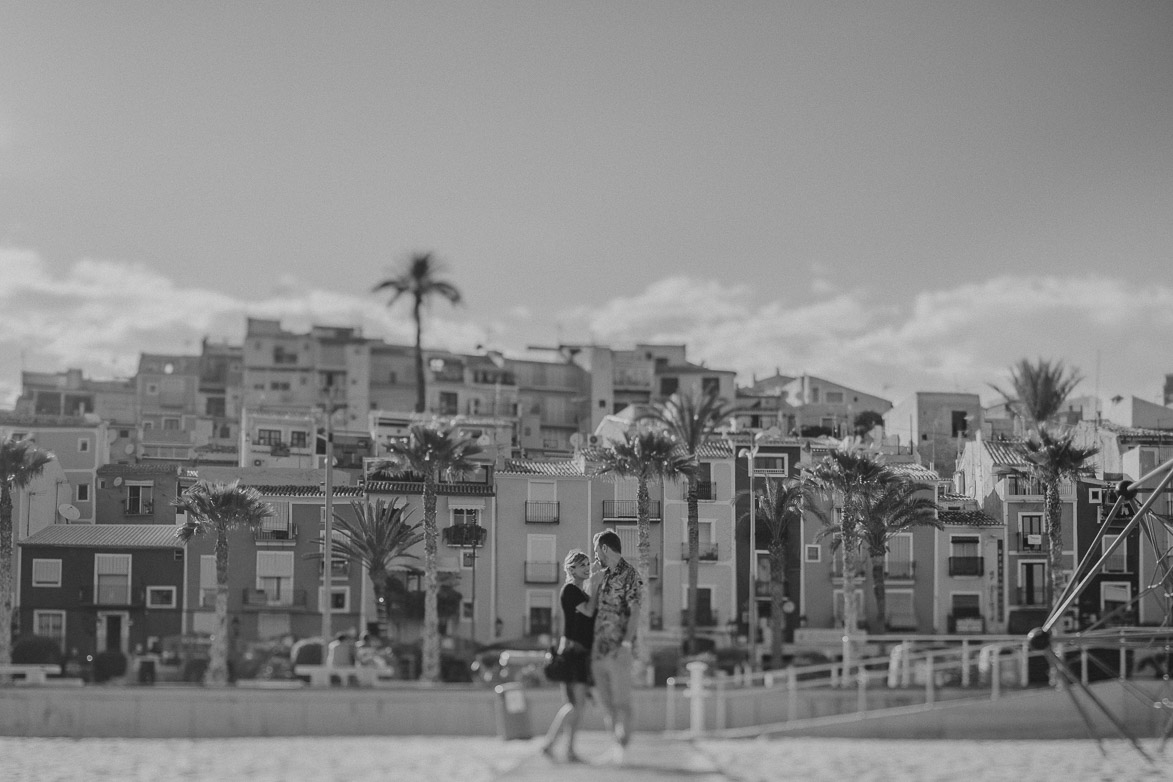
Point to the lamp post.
(751, 612)
(330, 407)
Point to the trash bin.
(512, 712)
(146, 670)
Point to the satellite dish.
(69, 512)
(483, 440)
(575, 440)
(118, 481)
(129, 449)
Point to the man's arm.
(632, 624)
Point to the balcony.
(287, 534)
(706, 491)
(541, 512)
(861, 568)
(113, 595)
(464, 535)
(965, 623)
(967, 566)
(627, 510)
(139, 508)
(1030, 541)
(541, 572)
(706, 552)
(703, 618)
(1031, 596)
(340, 571)
(258, 598)
(899, 569)
(1025, 486)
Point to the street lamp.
(751, 614)
(330, 407)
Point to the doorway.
(113, 631)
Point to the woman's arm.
(592, 601)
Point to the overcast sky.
(899, 196)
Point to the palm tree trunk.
(5, 574)
(421, 397)
(379, 587)
(878, 589)
(218, 653)
(1053, 512)
(643, 527)
(850, 608)
(777, 600)
(694, 545)
(430, 655)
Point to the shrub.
(109, 665)
(36, 650)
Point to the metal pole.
(328, 547)
(752, 607)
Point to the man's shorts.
(613, 679)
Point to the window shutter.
(208, 571)
(112, 564)
(274, 564)
(279, 521)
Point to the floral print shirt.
(621, 588)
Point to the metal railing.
(706, 552)
(464, 535)
(967, 566)
(258, 598)
(288, 533)
(899, 569)
(542, 512)
(627, 510)
(111, 595)
(705, 491)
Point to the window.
(83, 445)
(449, 403)
(268, 436)
(814, 553)
(275, 576)
(959, 423)
(171, 424)
(1095, 496)
(1114, 596)
(834, 397)
(46, 572)
(1031, 538)
(898, 561)
(704, 606)
(279, 385)
(966, 604)
(465, 516)
(82, 492)
(298, 439)
(339, 598)
(541, 559)
(901, 612)
(139, 499)
(153, 389)
(814, 395)
(161, 597)
(207, 580)
(710, 385)
(50, 624)
(539, 611)
(669, 386)
(112, 579)
(215, 407)
(279, 526)
(1118, 562)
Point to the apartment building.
(935, 424)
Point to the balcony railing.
(115, 595)
(258, 598)
(963, 623)
(541, 512)
(861, 569)
(289, 533)
(1034, 596)
(1025, 486)
(703, 618)
(967, 566)
(541, 572)
(1031, 541)
(464, 535)
(340, 569)
(899, 569)
(706, 552)
(627, 510)
(705, 491)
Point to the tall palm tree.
(418, 278)
(1037, 393)
(847, 477)
(898, 505)
(20, 462)
(215, 507)
(692, 420)
(648, 454)
(781, 503)
(379, 535)
(434, 451)
(1053, 458)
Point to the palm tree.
(646, 454)
(376, 537)
(847, 477)
(20, 462)
(215, 507)
(418, 279)
(780, 505)
(898, 505)
(692, 420)
(433, 451)
(1038, 391)
(1053, 458)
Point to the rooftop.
(106, 536)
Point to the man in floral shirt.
(616, 621)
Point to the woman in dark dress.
(578, 623)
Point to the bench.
(354, 675)
(29, 673)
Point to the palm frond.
(1038, 389)
(21, 461)
(650, 453)
(212, 505)
(692, 419)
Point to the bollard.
(965, 675)
(720, 695)
(791, 694)
(1083, 664)
(1024, 665)
(861, 697)
(930, 680)
(696, 691)
(996, 676)
(670, 716)
(1123, 659)
(512, 712)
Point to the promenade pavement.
(649, 757)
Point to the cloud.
(100, 315)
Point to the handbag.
(556, 669)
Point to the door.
(113, 631)
(1034, 583)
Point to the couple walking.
(598, 637)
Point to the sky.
(897, 196)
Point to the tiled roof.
(915, 471)
(968, 518)
(412, 487)
(947, 496)
(136, 469)
(1006, 452)
(715, 449)
(106, 536)
(566, 468)
(307, 491)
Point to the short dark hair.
(609, 539)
